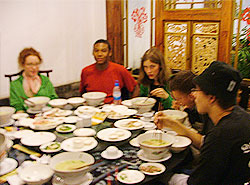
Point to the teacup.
(112, 151)
(148, 116)
(78, 143)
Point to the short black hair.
(182, 81)
(103, 41)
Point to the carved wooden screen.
(180, 37)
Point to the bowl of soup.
(38, 102)
(94, 98)
(71, 165)
(176, 115)
(143, 104)
(3, 146)
(5, 114)
(155, 145)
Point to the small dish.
(23, 133)
(83, 132)
(134, 142)
(7, 165)
(130, 176)
(79, 144)
(129, 124)
(71, 119)
(50, 147)
(142, 157)
(112, 152)
(152, 168)
(18, 116)
(65, 128)
(38, 138)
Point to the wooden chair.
(19, 73)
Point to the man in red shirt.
(101, 75)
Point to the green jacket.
(16, 90)
(167, 103)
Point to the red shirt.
(93, 79)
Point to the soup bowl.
(143, 104)
(58, 103)
(3, 147)
(76, 101)
(38, 102)
(176, 114)
(5, 114)
(72, 175)
(155, 150)
(94, 98)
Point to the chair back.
(19, 73)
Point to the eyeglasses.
(32, 64)
(194, 90)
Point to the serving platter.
(38, 138)
(113, 134)
(129, 124)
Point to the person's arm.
(15, 100)
(136, 91)
(162, 121)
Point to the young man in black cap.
(225, 153)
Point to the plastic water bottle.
(117, 93)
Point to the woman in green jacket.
(30, 83)
(153, 79)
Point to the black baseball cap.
(219, 79)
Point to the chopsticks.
(33, 104)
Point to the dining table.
(104, 171)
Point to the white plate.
(46, 108)
(56, 112)
(70, 126)
(71, 119)
(130, 176)
(181, 141)
(85, 180)
(43, 147)
(7, 165)
(84, 132)
(23, 133)
(25, 122)
(119, 115)
(134, 142)
(86, 110)
(142, 157)
(160, 167)
(124, 124)
(11, 122)
(113, 134)
(38, 138)
(50, 125)
(106, 156)
(68, 144)
(19, 115)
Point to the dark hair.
(27, 52)
(155, 56)
(103, 41)
(182, 81)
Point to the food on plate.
(69, 165)
(155, 142)
(42, 122)
(116, 115)
(150, 169)
(132, 124)
(53, 146)
(65, 128)
(56, 112)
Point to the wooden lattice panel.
(191, 4)
(175, 43)
(204, 52)
(206, 28)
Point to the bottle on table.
(117, 93)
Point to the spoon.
(79, 167)
(33, 104)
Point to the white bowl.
(5, 114)
(143, 104)
(94, 98)
(58, 103)
(39, 102)
(71, 175)
(155, 152)
(35, 174)
(76, 101)
(180, 144)
(176, 114)
(3, 147)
